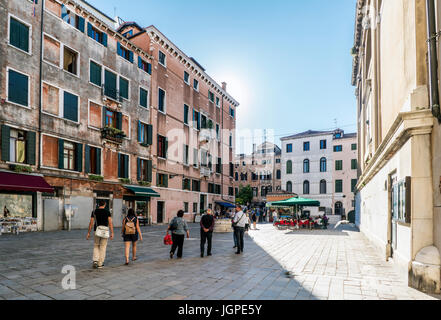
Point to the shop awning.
(297, 202)
(23, 182)
(143, 191)
(226, 204)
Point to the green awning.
(297, 202)
(143, 191)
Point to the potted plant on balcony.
(113, 133)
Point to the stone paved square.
(277, 264)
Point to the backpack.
(130, 227)
(174, 224)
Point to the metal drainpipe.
(432, 59)
(40, 102)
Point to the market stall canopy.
(23, 182)
(297, 202)
(272, 205)
(143, 191)
(226, 204)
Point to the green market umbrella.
(301, 202)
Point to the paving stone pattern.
(283, 265)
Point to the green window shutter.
(110, 84)
(86, 159)
(143, 97)
(31, 147)
(70, 106)
(149, 170)
(60, 154)
(138, 171)
(119, 165)
(157, 180)
(18, 88)
(104, 117)
(19, 35)
(166, 180)
(79, 157)
(126, 166)
(149, 134)
(6, 132)
(123, 88)
(95, 73)
(354, 165)
(98, 161)
(185, 114)
(166, 147)
(119, 120)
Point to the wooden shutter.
(30, 147)
(166, 180)
(139, 62)
(81, 23)
(6, 132)
(126, 166)
(119, 120)
(104, 43)
(98, 161)
(138, 171)
(95, 73)
(131, 56)
(119, 165)
(79, 157)
(110, 84)
(149, 170)
(119, 49)
(123, 88)
(87, 159)
(89, 30)
(149, 68)
(149, 134)
(70, 106)
(60, 154)
(408, 213)
(140, 131)
(18, 88)
(166, 148)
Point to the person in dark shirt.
(207, 226)
(103, 218)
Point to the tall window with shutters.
(123, 166)
(144, 170)
(19, 35)
(145, 66)
(162, 147)
(97, 35)
(161, 100)
(145, 132)
(18, 88)
(18, 146)
(124, 52)
(92, 156)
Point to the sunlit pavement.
(291, 265)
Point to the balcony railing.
(205, 171)
(111, 93)
(113, 134)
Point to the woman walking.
(131, 232)
(254, 219)
(178, 226)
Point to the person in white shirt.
(239, 222)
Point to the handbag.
(174, 224)
(101, 231)
(236, 223)
(168, 240)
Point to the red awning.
(23, 182)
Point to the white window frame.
(146, 124)
(165, 101)
(88, 114)
(78, 60)
(124, 49)
(119, 89)
(102, 71)
(9, 33)
(7, 88)
(61, 103)
(165, 59)
(60, 53)
(196, 89)
(129, 173)
(188, 116)
(101, 160)
(129, 134)
(188, 83)
(41, 153)
(59, 18)
(139, 97)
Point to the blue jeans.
(239, 232)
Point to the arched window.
(323, 165)
(289, 186)
(323, 187)
(289, 167)
(306, 166)
(306, 187)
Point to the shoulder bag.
(101, 231)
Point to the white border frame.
(7, 88)
(165, 60)
(102, 159)
(128, 165)
(102, 71)
(139, 97)
(60, 53)
(61, 103)
(43, 134)
(89, 101)
(9, 33)
(165, 101)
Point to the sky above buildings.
(287, 62)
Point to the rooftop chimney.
(224, 86)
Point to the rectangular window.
(195, 207)
(196, 120)
(186, 77)
(70, 61)
(219, 166)
(353, 184)
(18, 88)
(230, 191)
(69, 156)
(338, 148)
(19, 35)
(231, 169)
(123, 88)
(186, 155)
(161, 100)
(211, 96)
(338, 165)
(143, 98)
(124, 52)
(186, 184)
(196, 185)
(162, 147)
(95, 73)
(204, 121)
(70, 107)
(195, 158)
(145, 169)
(17, 146)
(338, 186)
(71, 18)
(217, 102)
(354, 165)
(123, 166)
(217, 132)
(232, 112)
(354, 146)
(289, 148)
(93, 160)
(186, 110)
(110, 81)
(110, 118)
(306, 146)
(162, 58)
(277, 160)
(96, 34)
(144, 132)
(186, 207)
(162, 180)
(323, 144)
(145, 66)
(196, 85)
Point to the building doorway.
(203, 203)
(394, 213)
(339, 208)
(160, 212)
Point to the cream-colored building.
(399, 154)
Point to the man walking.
(100, 218)
(239, 222)
(207, 226)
